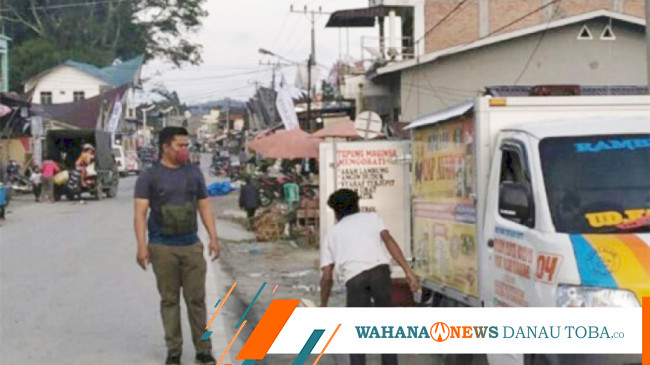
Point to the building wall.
(62, 82)
(560, 59)
(465, 24)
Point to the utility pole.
(228, 118)
(312, 15)
(647, 40)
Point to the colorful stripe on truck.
(613, 261)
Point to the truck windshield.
(598, 184)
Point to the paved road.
(73, 294)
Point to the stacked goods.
(269, 225)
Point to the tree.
(99, 32)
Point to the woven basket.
(269, 225)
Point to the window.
(599, 183)
(78, 95)
(46, 97)
(513, 170)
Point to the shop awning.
(452, 112)
(357, 18)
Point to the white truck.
(534, 201)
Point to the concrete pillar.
(483, 18)
(618, 6)
(391, 33)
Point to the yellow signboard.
(444, 224)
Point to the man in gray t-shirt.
(171, 192)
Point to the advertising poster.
(372, 170)
(444, 227)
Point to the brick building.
(471, 20)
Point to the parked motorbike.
(20, 185)
(271, 188)
(16, 181)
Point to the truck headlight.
(584, 296)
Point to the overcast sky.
(231, 36)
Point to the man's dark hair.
(344, 202)
(167, 134)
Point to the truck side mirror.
(515, 202)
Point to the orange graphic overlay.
(231, 342)
(328, 343)
(640, 249)
(645, 349)
(220, 305)
(268, 329)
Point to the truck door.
(509, 219)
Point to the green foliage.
(46, 32)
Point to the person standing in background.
(36, 178)
(49, 169)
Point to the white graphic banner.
(465, 330)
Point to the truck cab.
(567, 217)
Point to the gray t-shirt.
(174, 183)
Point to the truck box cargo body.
(534, 201)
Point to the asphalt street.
(73, 294)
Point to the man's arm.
(140, 226)
(396, 253)
(207, 217)
(326, 281)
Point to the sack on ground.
(61, 178)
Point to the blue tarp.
(220, 188)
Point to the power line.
(75, 5)
(539, 43)
(284, 22)
(521, 18)
(293, 31)
(444, 18)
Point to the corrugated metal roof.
(508, 90)
(357, 18)
(116, 75)
(454, 111)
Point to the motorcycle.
(20, 185)
(220, 167)
(16, 181)
(271, 188)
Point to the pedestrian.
(171, 192)
(36, 178)
(354, 247)
(49, 169)
(243, 158)
(249, 200)
(84, 160)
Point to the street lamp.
(270, 53)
